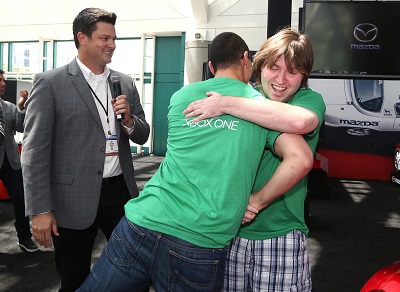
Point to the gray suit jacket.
(2, 125)
(14, 122)
(63, 149)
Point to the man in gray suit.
(10, 165)
(76, 158)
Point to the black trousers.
(12, 181)
(73, 248)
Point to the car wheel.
(397, 159)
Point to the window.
(65, 52)
(369, 94)
(127, 56)
(148, 55)
(4, 56)
(25, 57)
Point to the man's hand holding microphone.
(120, 104)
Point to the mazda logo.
(365, 32)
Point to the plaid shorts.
(276, 265)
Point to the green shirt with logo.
(201, 189)
(286, 213)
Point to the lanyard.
(102, 105)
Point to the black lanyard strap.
(102, 105)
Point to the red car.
(386, 279)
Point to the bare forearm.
(271, 114)
(285, 177)
(297, 161)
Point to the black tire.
(397, 159)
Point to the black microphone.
(115, 79)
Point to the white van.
(360, 106)
(363, 108)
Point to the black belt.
(111, 180)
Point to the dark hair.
(294, 46)
(2, 72)
(226, 50)
(87, 19)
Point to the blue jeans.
(135, 258)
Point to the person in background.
(10, 171)
(175, 234)
(76, 158)
(270, 251)
(2, 119)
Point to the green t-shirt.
(285, 213)
(201, 189)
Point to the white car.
(360, 105)
(362, 115)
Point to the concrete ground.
(354, 231)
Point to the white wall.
(27, 20)
(24, 20)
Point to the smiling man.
(76, 160)
(274, 238)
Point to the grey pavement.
(354, 231)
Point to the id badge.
(111, 145)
